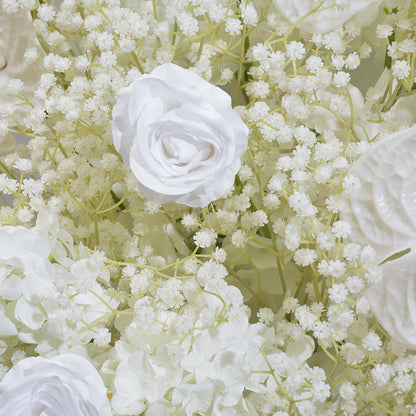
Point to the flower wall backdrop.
(208, 207)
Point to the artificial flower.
(261, 302)
(25, 250)
(179, 136)
(67, 384)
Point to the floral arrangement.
(208, 207)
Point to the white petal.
(7, 327)
(12, 287)
(29, 314)
(301, 349)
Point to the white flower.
(326, 15)
(24, 249)
(400, 69)
(137, 379)
(341, 229)
(305, 257)
(67, 384)
(239, 238)
(179, 135)
(295, 50)
(384, 30)
(205, 238)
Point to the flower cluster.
(207, 207)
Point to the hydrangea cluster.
(260, 302)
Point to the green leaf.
(387, 59)
(396, 256)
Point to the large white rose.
(326, 15)
(179, 136)
(65, 385)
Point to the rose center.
(184, 150)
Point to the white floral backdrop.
(208, 207)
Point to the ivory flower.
(324, 16)
(179, 135)
(66, 385)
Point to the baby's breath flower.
(249, 14)
(187, 24)
(400, 69)
(381, 374)
(305, 257)
(372, 341)
(265, 315)
(190, 221)
(338, 293)
(314, 64)
(354, 284)
(341, 79)
(404, 382)
(258, 89)
(301, 204)
(341, 229)
(205, 238)
(233, 26)
(219, 255)
(384, 30)
(351, 353)
(290, 304)
(295, 50)
(239, 239)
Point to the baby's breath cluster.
(253, 305)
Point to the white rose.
(179, 136)
(65, 385)
(326, 15)
(393, 300)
